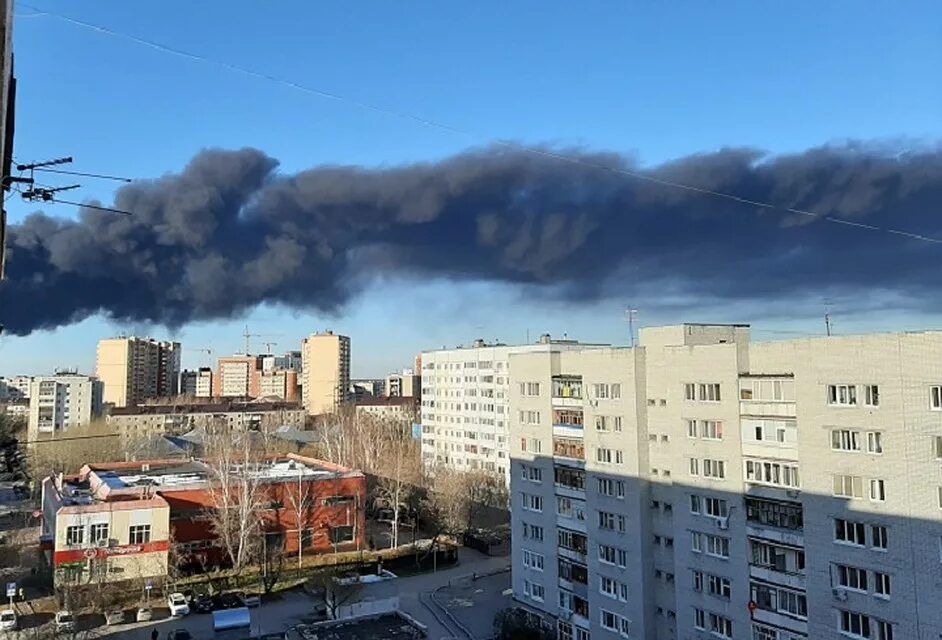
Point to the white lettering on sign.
(117, 551)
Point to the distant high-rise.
(198, 384)
(133, 370)
(62, 401)
(238, 377)
(404, 384)
(325, 365)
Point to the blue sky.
(657, 80)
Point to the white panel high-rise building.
(465, 407)
(63, 401)
(704, 486)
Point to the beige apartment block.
(705, 486)
(404, 384)
(325, 372)
(198, 384)
(133, 370)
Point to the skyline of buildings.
(134, 369)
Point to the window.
(878, 536)
(570, 508)
(845, 440)
(566, 478)
(697, 580)
(881, 584)
(568, 417)
(699, 618)
(529, 417)
(872, 395)
(572, 540)
(714, 468)
(536, 446)
(533, 560)
(717, 546)
(784, 515)
(531, 502)
(569, 448)
(608, 587)
(692, 430)
(937, 442)
(622, 558)
(721, 626)
(612, 488)
(533, 532)
(848, 486)
(779, 474)
(611, 521)
(719, 586)
(877, 490)
(849, 532)
(779, 599)
(874, 442)
(696, 542)
(609, 620)
(564, 387)
(690, 391)
(75, 534)
(708, 392)
(98, 532)
(139, 534)
(694, 467)
(530, 389)
(855, 624)
(608, 456)
(884, 630)
(706, 429)
(533, 590)
(573, 572)
(716, 507)
(533, 474)
(606, 554)
(842, 395)
(850, 577)
(695, 504)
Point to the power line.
(84, 174)
(428, 122)
(68, 438)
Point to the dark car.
(201, 603)
(232, 601)
(179, 634)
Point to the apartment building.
(465, 406)
(279, 383)
(238, 377)
(137, 369)
(63, 401)
(15, 389)
(325, 366)
(705, 486)
(290, 360)
(135, 424)
(403, 384)
(404, 410)
(116, 522)
(198, 384)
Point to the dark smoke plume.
(230, 232)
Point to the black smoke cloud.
(230, 232)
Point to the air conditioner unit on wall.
(722, 523)
(839, 594)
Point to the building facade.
(133, 370)
(404, 384)
(325, 372)
(63, 401)
(137, 423)
(395, 408)
(15, 389)
(704, 486)
(238, 377)
(279, 383)
(465, 406)
(198, 384)
(131, 521)
(290, 360)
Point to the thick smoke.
(230, 232)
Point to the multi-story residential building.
(137, 423)
(137, 369)
(15, 389)
(291, 360)
(365, 388)
(63, 401)
(465, 407)
(238, 377)
(116, 522)
(404, 384)
(325, 372)
(198, 384)
(279, 383)
(704, 486)
(394, 408)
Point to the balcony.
(567, 391)
(569, 449)
(781, 621)
(774, 576)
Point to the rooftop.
(205, 407)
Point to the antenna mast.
(631, 326)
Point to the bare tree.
(457, 500)
(398, 471)
(237, 496)
(302, 500)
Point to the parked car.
(226, 601)
(65, 621)
(179, 634)
(115, 616)
(201, 603)
(8, 620)
(251, 599)
(144, 614)
(177, 603)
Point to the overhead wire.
(428, 122)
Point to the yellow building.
(325, 359)
(137, 369)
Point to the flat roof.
(204, 407)
(390, 626)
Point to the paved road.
(296, 607)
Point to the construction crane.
(207, 351)
(248, 336)
(269, 345)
